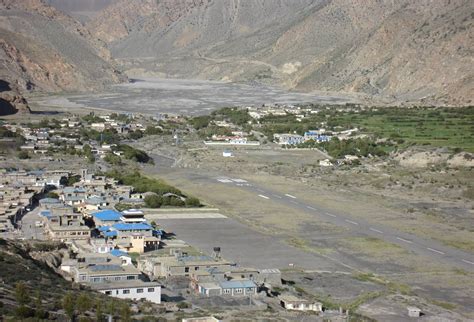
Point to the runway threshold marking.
(264, 197)
(290, 196)
(435, 250)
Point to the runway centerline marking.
(404, 240)
(309, 207)
(468, 262)
(331, 215)
(435, 250)
(290, 196)
(376, 230)
(264, 197)
(351, 222)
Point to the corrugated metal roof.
(107, 215)
(137, 226)
(238, 284)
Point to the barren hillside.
(399, 50)
(44, 49)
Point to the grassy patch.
(303, 245)
(444, 305)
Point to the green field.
(441, 127)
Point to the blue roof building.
(107, 216)
(118, 253)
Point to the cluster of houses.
(18, 190)
(67, 132)
(317, 136)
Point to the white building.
(133, 290)
(291, 302)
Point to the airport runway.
(410, 242)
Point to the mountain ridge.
(43, 49)
(400, 50)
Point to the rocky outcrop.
(11, 101)
(399, 51)
(43, 49)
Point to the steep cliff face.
(400, 50)
(44, 49)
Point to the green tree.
(192, 202)
(153, 201)
(83, 303)
(22, 295)
(40, 313)
(99, 313)
(125, 313)
(23, 155)
(52, 194)
(69, 305)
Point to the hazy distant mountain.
(404, 49)
(42, 48)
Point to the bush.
(192, 202)
(23, 155)
(134, 154)
(52, 194)
(153, 201)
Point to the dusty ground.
(422, 202)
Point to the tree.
(23, 155)
(153, 201)
(40, 313)
(52, 194)
(68, 305)
(99, 313)
(192, 202)
(22, 295)
(83, 303)
(125, 313)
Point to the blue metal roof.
(46, 213)
(118, 253)
(107, 215)
(111, 234)
(138, 226)
(104, 228)
(238, 284)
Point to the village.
(116, 250)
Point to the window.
(186, 269)
(151, 290)
(117, 278)
(139, 290)
(96, 279)
(130, 277)
(196, 268)
(108, 292)
(238, 290)
(226, 291)
(126, 292)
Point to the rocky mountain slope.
(43, 49)
(399, 50)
